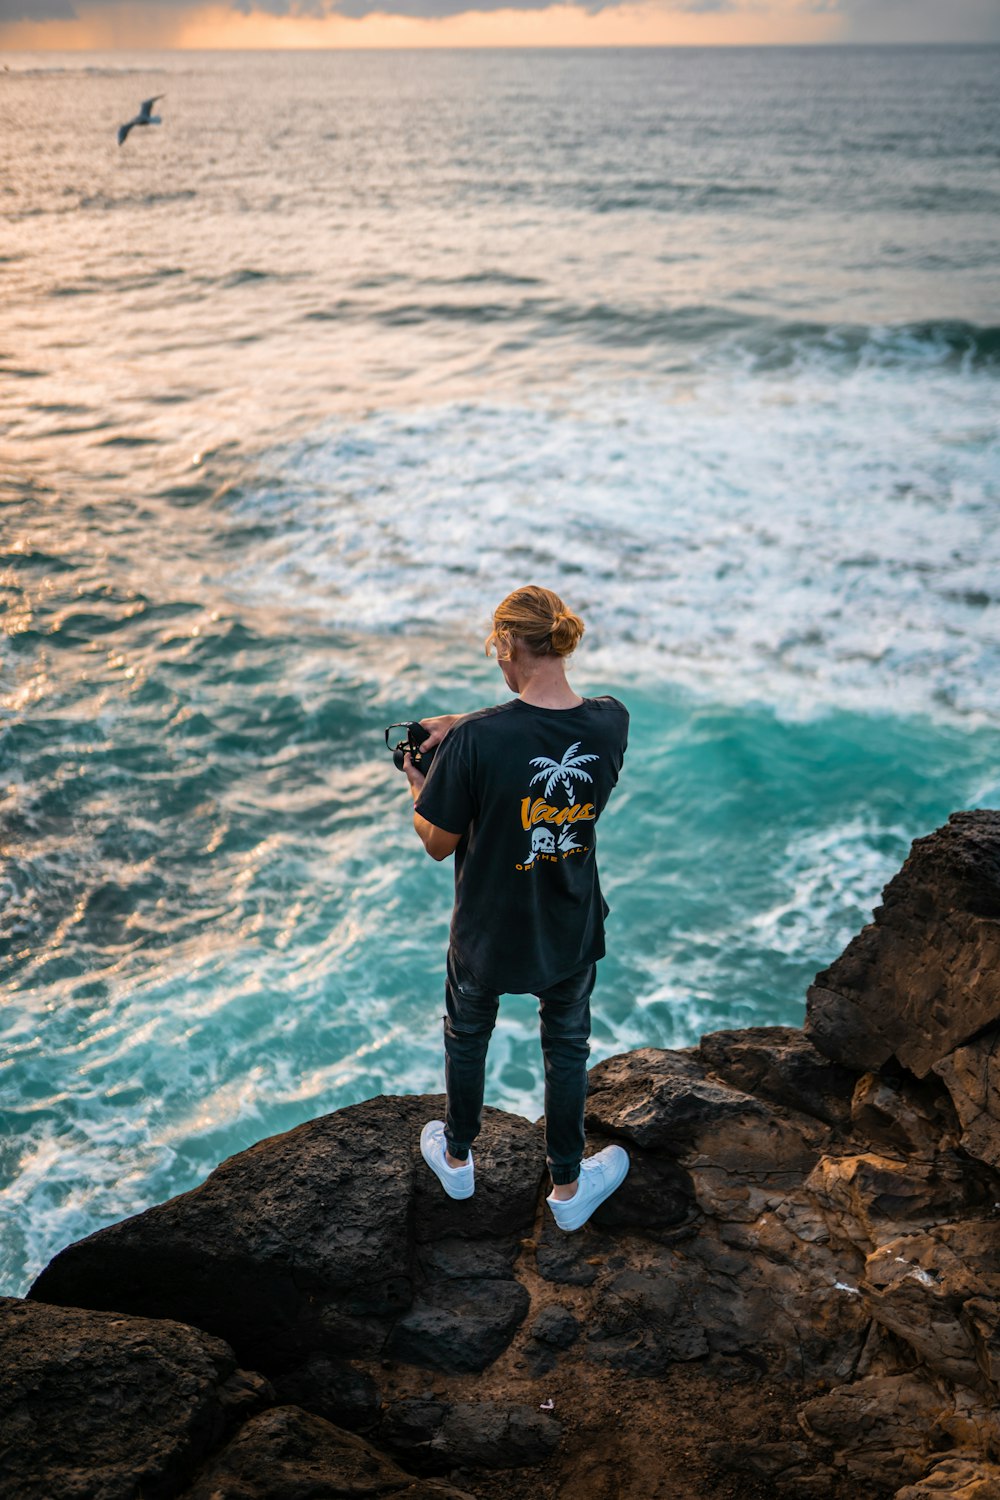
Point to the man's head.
(534, 621)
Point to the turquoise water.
(299, 386)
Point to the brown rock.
(95, 1406)
(956, 1478)
(915, 1119)
(924, 977)
(884, 1428)
(288, 1454)
(665, 1101)
(972, 1077)
(476, 1434)
(872, 1198)
(938, 1291)
(781, 1064)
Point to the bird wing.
(123, 131)
(147, 106)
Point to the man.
(515, 792)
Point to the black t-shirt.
(524, 786)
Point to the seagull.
(144, 117)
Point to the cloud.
(36, 10)
(916, 20)
(859, 20)
(317, 10)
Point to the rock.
(467, 1260)
(288, 1454)
(971, 1075)
(333, 1389)
(872, 1198)
(489, 1435)
(981, 1316)
(555, 1325)
(884, 1428)
(665, 1102)
(920, 1286)
(477, 1434)
(647, 1318)
(460, 1325)
(656, 1197)
(914, 1119)
(566, 1258)
(308, 1242)
(924, 977)
(781, 1064)
(408, 1426)
(97, 1405)
(956, 1479)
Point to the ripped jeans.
(564, 1014)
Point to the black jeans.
(564, 1013)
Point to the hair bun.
(539, 618)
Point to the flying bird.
(144, 117)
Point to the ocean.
(297, 385)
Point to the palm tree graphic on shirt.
(567, 770)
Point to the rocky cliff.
(796, 1293)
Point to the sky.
(101, 24)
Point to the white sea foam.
(811, 541)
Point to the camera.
(415, 736)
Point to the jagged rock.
(956, 1478)
(791, 1468)
(924, 977)
(973, 1426)
(981, 1315)
(883, 1428)
(803, 1304)
(664, 1101)
(781, 1064)
(920, 1286)
(307, 1243)
(288, 1454)
(97, 1405)
(477, 1434)
(914, 1119)
(872, 1198)
(972, 1077)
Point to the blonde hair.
(539, 618)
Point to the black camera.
(415, 736)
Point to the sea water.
(297, 385)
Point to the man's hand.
(414, 777)
(439, 726)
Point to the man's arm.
(436, 841)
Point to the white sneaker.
(458, 1182)
(599, 1176)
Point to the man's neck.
(546, 687)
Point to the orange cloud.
(108, 26)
